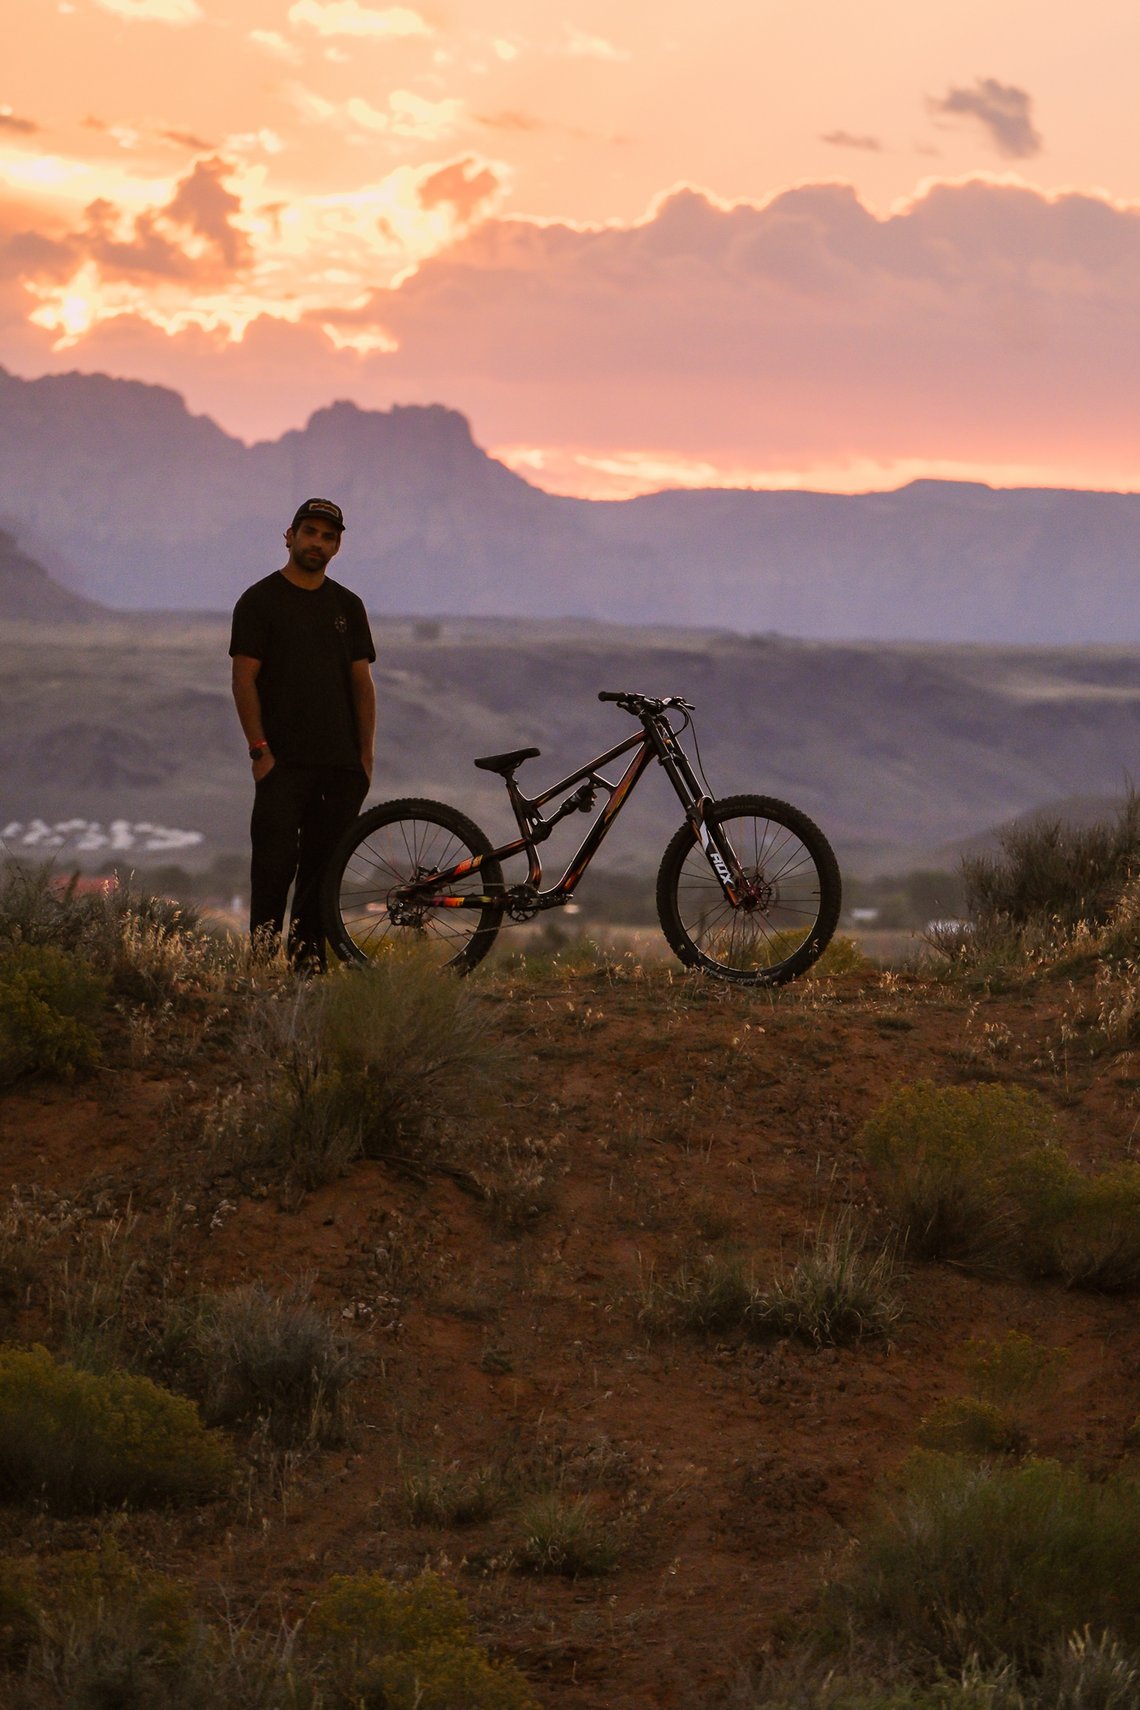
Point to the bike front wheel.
(377, 895)
(790, 913)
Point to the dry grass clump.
(560, 1534)
(802, 1682)
(980, 1560)
(79, 1441)
(276, 1360)
(837, 1293)
(453, 1495)
(710, 1293)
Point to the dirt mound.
(654, 1121)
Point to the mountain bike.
(748, 889)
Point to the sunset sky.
(756, 242)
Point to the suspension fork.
(719, 853)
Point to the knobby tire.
(388, 847)
(793, 864)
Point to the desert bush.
(714, 1292)
(109, 1635)
(1095, 1239)
(835, 1294)
(1009, 1372)
(147, 947)
(969, 1173)
(966, 1425)
(77, 1440)
(998, 1562)
(382, 1061)
(49, 1002)
(155, 950)
(276, 1359)
(382, 1646)
(563, 1535)
(1049, 873)
(976, 1175)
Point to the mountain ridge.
(156, 508)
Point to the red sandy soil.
(674, 1117)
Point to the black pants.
(299, 813)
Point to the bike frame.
(657, 740)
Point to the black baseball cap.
(322, 508)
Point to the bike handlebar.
(638, 705)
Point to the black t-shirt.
(306, 640)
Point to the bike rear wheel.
(367, 909)
(792, 873)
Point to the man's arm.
(248, 704)
(364, 703)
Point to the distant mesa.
(158, 509)
(29, 593)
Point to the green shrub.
(277, 1359)
(969, 1173)
(75, 1440)
(835, 1294)
(383, 1646)
(563, 1535)
(48, 1003)
(1050, 873)
(981, 1559)
(111, 1633)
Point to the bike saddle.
(506, 763)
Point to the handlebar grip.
(613, 694)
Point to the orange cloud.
(983, 327)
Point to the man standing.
(301, 650)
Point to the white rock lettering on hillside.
(90, 836)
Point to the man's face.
(311, 544)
